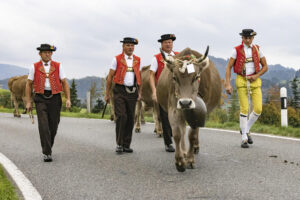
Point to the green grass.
(258, 128)
(7, 190)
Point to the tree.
(73, 94)
(296, 94)
(99, 106)
(233, 106)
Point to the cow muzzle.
(185, 103)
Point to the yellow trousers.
(256, 95)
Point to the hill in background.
(277, 75)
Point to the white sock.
(252, 119)
(243, 123)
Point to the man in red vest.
(47, 79)
(155, 71)
(125, 73)
(249, 64)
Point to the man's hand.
(139, 97)
(107, 98)
(154, 98)
(253, 77)
(68, 104)
(28, 106)
(228, 88)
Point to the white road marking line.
(256, 134)
(27, 189)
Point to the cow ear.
(204, 64)
(170, 66)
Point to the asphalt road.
(85, 165)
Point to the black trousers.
(124, 105)
(167, 130)
(48, 114)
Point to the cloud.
(87, 33)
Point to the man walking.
(249, 64)
(125, 73)
(156, 68)
(47, 79)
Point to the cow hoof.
(137, 130)
(155, 131)
(196, 150)
(191, 166)
(17, 115)
(180, 168)
(160, 135)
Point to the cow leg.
(142, 113)
(196, 143)
(158, 125)
(24, 101)
(138, 117)
(180, 160)
(193, 136)
(16, 105)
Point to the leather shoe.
(244, 144)
(47, 158)
(119, 149)
(169, 148)
(127, 150)
(250, 141)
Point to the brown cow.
(17, 85)
(147, 103)
(187, 99)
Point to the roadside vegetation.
(7, 190)
(226, 116)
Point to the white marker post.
(283, 97)
(88, 101)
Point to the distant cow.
(189, 87)
(147, 103)
(17, 85)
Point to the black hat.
(130, 40)
(248, 32)
(167, 37)
(46, 47)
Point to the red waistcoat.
(240, 59)
(122, 68)
(40, 77)
(160, 64)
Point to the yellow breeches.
(256, 95)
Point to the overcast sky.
(87, 33)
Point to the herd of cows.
(188, 88)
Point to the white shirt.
(250, 68)
(154, 64)
(129, 76)
(47, 68)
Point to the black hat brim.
(247, 35)
(172, 38)
(41, 49)
(129, 42)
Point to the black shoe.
(47, 158)
(250, 141)
(119, 149)
(244, 144)
(169, 148)
(127, 150)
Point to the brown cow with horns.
(188, 99)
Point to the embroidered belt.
(249, 60)
(129, 69)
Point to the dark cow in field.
(188, 89)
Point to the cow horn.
(204, 56)
(168, 59)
